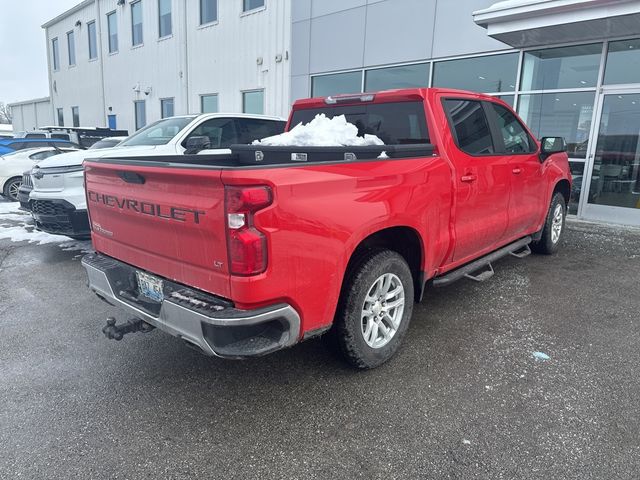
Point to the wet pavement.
(470, 394)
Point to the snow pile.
(17, 226)
(321, 132)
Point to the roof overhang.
(525, 23)
(68, 13)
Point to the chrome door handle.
(468, 178)
(517, 171)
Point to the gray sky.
(23, 51)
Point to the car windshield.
(106, 143)
(158, 133)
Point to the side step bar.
(518, 249)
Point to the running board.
(518, 249)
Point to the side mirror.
(196, 144)
(550, 145)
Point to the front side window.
(71, 46)
(250, 129)
(158, 133)
(166, 107)
(209, 103)
(252, 5)
(208, 11)
(470, 126)
(220, 131)
(60, 112)
(75, 113)
(112, 27)
(514, 136)
(165, 27)
(93, 41)
(141, 113)
(136, 23)
(253, 102)
(55, 52)
(42, 155)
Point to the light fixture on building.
(121, 2)
(78, 23)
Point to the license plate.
(150, 286)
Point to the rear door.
(482, 179)
(528, 189)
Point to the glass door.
(613, 193)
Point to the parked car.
(27, 181)
(243, 254)
(84, 136)
(58, 201)
(9, 145)
(12, 166)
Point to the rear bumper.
(210, 323)
(60, 217)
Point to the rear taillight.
(246, 244)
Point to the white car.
(12, 165)
(58, 202)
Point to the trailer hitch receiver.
(116, 332)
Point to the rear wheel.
(553, 229)
(374, 310)
(10, 190)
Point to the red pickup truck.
(243, 254)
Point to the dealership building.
(570, 67)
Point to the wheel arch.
(564, 187)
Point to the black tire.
(10, 189)
(347, 332)
(549, 242)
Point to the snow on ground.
(321, 132)
(17, 226)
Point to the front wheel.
(375, 309)
(10, 190)
(553, 229)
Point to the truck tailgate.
(169, 221)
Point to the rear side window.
(394, 123)
(61, 136)
(470, 126)
(250, 129)
(35, 135)
(515, 137)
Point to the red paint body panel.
(321, 213)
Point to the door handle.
(517, 171)
(468, 178)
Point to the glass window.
(220, 131)
(394, 123)
(141, 113)
(514, 136)
(55, 52)
(615, 179)
(623, 62)
(250, 129)
(564, 67)
(75, 115)
(166, 107)
(209, 103)
(565, 115)
(164, 18)
(208, 11)
(577, 174)
(508, 99)
(470, 126)
(405, 76)
(252, 4)
(253, 102)
(337, 83)
(136, 23)
(112, 27)
(35, 135)
(158, 133)
(43, 155)
(71, 46)
(495, 73)
(60, 112)
(93, 40)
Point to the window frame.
(173, 106)
(454, 133)
(60, 116)
(494, 126)
(95, 39)
(55, 53)
(75, 112)
(202, 97)
(254, 9)
(253, 90)
(132, 5)
(71, 35)
(135, 113)
(210, 22)
(114, 15)
(170, 34)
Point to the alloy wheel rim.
(556, 223)
(382, 310)
(13, 190)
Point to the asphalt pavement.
(469, 395)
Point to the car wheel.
(553, 229)
(10, 190)
(374, 310)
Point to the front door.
(613, 193)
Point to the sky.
(23, 49)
